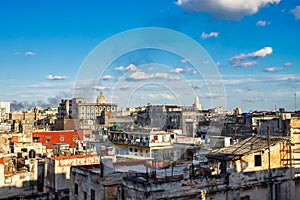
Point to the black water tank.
(32, 153)
(19, 155)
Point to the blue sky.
(254, 44)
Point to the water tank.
(32, 153)
(245, 115)
(19, 155)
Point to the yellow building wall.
(278, 154)
(295, 140)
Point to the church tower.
(101, 98)
(197, 104)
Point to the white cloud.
(107, 77)
(51, 77)
(99, 88)
(178, 70)
(225, 9)
(159, 96)
(246, 60)
(252, 100)
(50, 85)
(273, 69)
(262, 52)
(288, 64)
(248, 64)
(283, 77)
(233, 81)
(209, 35)
(296, 12)
(121, 68)
(182, 70)
(140, 75)
(214, 95)
(164, 76)
(262, 23)
(29, 53)
(184, 60)
(130, 67)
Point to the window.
(36, 139)
(75, 138)
(48, 139)
(84, 195)
(257, 160)
(92, 194)
(61, 138)
(76, 188)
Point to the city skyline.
(253, 45)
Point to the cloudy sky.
(254, 46)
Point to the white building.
(4, 108)
(5, 105)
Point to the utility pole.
(295, 101)
(291, 161)
(269, 153)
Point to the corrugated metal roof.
(247, 146)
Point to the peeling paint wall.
(57, 170)
(278, 152)
(20, 182)
(295, 140)
(90, 183)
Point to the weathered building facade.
(57, 171)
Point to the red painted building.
(48, 138)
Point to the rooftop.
(247, 146)
(73, 156)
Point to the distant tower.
(197, 104)
(101, 98)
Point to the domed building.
(101, 98)
(88, 114)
